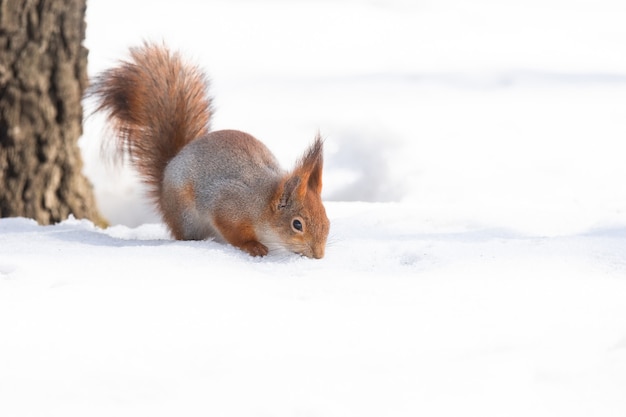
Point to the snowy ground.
(477, 259)
(398, 320)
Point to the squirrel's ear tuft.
(306, 176)
(311, 165)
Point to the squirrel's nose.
(318, 252)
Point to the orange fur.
(186, 201)
(240, 234)
(157, 104)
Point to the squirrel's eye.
(297, 225)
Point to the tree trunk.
(43, 73)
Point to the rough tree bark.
(43, 73)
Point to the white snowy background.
(475, 180)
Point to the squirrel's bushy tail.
(156, 104)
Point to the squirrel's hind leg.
(178, 207)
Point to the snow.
(474, 180)
(396, 321)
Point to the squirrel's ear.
(288, 190)
(311, 164)
(306, 176)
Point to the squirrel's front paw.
(255, 248)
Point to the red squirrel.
(224, 184)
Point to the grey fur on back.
(227, 170)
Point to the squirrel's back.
(220, 172)
(157, 104)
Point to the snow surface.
(474, 180)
